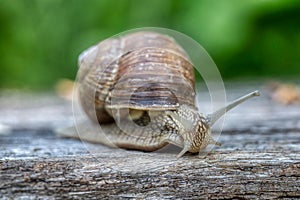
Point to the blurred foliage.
(40, 40)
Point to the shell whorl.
(142, 70)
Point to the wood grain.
(259, 158)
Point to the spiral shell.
(142, 71)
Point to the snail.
(145, 82)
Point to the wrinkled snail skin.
(150, 75)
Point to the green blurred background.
(40, 40)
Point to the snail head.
(195, 128)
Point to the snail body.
(145, 82)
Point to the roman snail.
(140, 88)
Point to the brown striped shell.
(141, 70)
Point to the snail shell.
(149, 66)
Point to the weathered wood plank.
(237, 170)
(259, 158)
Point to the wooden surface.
(259, 156)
